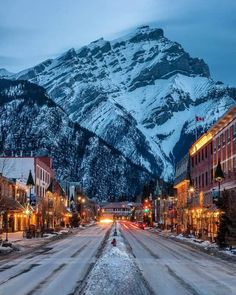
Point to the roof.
(217, 126)
(7, 203)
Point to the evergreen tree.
(223, 231)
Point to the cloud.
(33, 30)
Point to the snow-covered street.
(142, 263)
(170, 267)
(56, 268)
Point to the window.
(218, 140)
(196, 160)
(206, 151)
(234, 131)
(223, 139)
(214, 146)
(211, 148)
(192, 161)
(234, 161)
(206, 178)
(199, 180)
(229, 134)
(211, 175)
(202, 154)
(224, 167)
(199, 157)
(229, 168)
(203, 180)
(196, 181)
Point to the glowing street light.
(219, 175)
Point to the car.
(140, 225)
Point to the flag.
(197, 118)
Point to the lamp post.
(49, 192)
(7, 225)
(191, 190)
(30, 184)
(219, 175)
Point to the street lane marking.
(20, 273)
(46, 280)
(77, 252)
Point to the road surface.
(171, 268)
(56, 269)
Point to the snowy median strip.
(115, 271)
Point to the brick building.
(217, 145)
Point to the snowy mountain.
(31, 122)
(5, 73)
(140, 93)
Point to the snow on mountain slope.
(31, 122)
(140, 93)
(5, 73)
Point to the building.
(181, 184)
(13, 200)
(198, 189)
(39, 171)
(122, 210)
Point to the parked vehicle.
(141, 225)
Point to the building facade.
(18, 169)
(197, 211)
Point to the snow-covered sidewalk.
(17, 242)
(115, 271)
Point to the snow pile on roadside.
(205, 244)
(5, 250)
(115, 272)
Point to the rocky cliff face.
(31, 122)
(140, 93)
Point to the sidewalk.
(13, 237)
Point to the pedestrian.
(114, 242)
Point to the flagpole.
(195, 128)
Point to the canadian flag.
(199, 118)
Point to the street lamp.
(49, 192)
(30, 184)
(219, 175)
(191, 187)
(28, 213)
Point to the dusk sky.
(32, 31)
